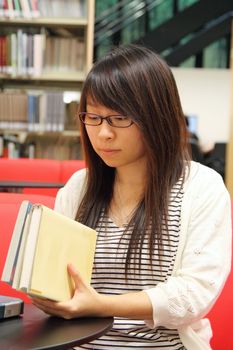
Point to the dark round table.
(35, 330)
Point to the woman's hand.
(85, 301)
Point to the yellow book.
(49, 241)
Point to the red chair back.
(69, 167)
(221, 316)
(38, 170)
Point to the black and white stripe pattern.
(109, 278)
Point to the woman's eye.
(120, 118)
(92, 117)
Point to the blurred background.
(48, 46)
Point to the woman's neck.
(131, 176)
(129, 188)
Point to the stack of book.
(36, 55)
(43, 243)
(33, 111)
(42, 8)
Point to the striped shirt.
(109, 278)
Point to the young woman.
(163, 222)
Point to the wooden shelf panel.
(68, 133)
(56, 76)
(65, 133)
(70, 83)
(48, 22)
(25, 135)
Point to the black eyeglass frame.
(81, 115)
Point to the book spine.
(17, 8)
(1, 9)
(34, 8)
(26, 12)
(1, 54)
(5, 8)
(11, 12)
(8, 55)
(14, 57)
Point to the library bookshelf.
(46, 50)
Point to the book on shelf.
(30, 9)
(54, 8)
(26, 10)
(43, 243)
(37, 55)
(33, 110)
(71, 120)
(17, 8)
(13, 111)
(1, 145)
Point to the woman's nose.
(106, 130)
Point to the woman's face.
(117, 147)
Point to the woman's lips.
(109, 151)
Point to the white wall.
(206, 94)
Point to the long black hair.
(135, 81)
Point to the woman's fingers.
(52, 308)
(75, 276)
(77, 306)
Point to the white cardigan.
(203, 258)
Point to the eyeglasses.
(117, 121)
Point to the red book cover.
(5, 8)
